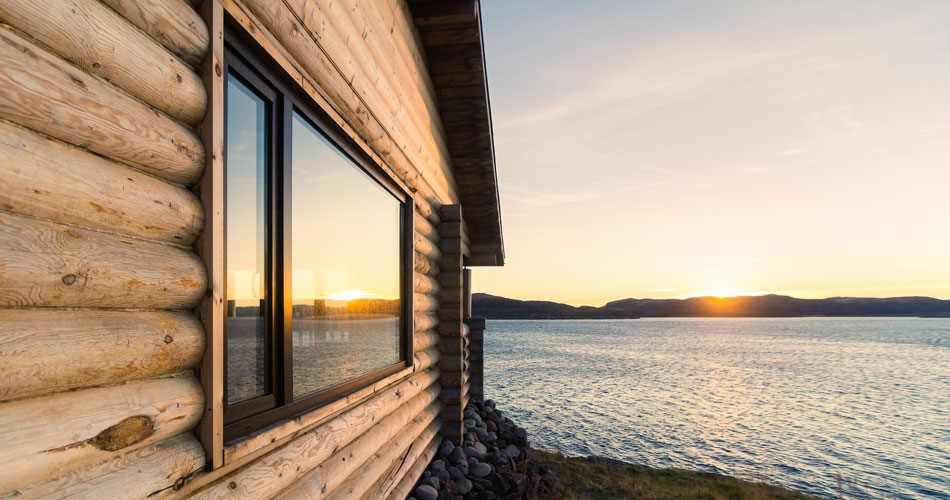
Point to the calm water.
(855, 406)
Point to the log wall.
(104, 137)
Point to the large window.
(317, 256)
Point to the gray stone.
(511, 451)
(438, 464)
(463, 466)
(463, 486)
(426, 492)
(442, 474)
(480, 448)
(431, 481)
(468, 423)
(472, 451)
(521, 433)
(472, 461)
(491, 437)
(482, 434)
(455, 473)
(457, 456)
(481, 469)
(445, 495)
(446, 449)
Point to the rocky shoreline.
(494, 461)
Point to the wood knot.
(69, 279)
(217, 69)
(96, 65)
(125, 433)
(168, 339)
(178, 77)
(179, 484)
(232, 485)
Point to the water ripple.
(848, 408)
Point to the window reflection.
(246, 236)
(345, 278)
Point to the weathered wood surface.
(370, 481)
(424, 340)
(52, 435)
(281, 468)
(404, 487)
(136, 474)
(425, 321)
(211, 246)
(424, 227)
(98, 40)
(425, 284)
(365, 65)
(406, 421)
(422, 360)
(303, 50)
(425, 247)
(49, 95)
(423, 265)
(44, 351)
(172, 23)
(50, 264)
(424, 303)
(242, 452)
(45, 178)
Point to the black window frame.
(261, 75)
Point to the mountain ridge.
(754, 306)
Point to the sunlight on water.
(834, 407)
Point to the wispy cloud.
(538, 199)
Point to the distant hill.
(761, 306)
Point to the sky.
(673, 148)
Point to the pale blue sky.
(659, 149)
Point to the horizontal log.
(49, 264)
(422, 264)
(424, 303)
(405, 422)
(425, 284)
(272, 473)
(172, 23)
(454, 245)
(51, 180)
(451, 346)
(370, 478)
(98, 40)
(450, 213)
(476, 323)
(450, 262)
(453, 329)
(428, 208)
(450, 296)
(425, 247)
(424, 227)
(449, 313)
(404, 487)
(453, 379)
(424, 359)
(137, 474)
(44, 351)
(49, 95)
(451, 363)
(452, 229)
(451, 397)
(424, 340)
(52, 435)
(451, 280)
(424, 321)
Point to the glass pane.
(345, 252)
(246, 238)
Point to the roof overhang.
(451, 32)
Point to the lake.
(848, 407)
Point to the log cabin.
(235, 244)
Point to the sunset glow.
(346, 295)
(720, 148)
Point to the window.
(317, 256)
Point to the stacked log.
(451, 328)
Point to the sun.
(346, 295)
(723, 292)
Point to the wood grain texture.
(424, 321)
(361, 483)
(406, 421)
(424, 303)
(211, 244)
(95, 38)
(403, 488)
(52, 435)
(425, 247)
(49, 95)
(44, 351)
(422, 360)
(172, 23)
(422, 264)
(425, 284)
(48, 179)
(49, 264)
(136, 474)
(424, 340)
(282, 467)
